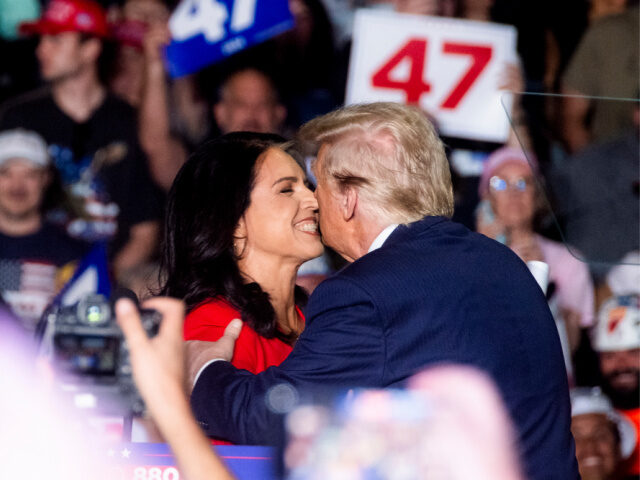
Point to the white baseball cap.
(23, 144)
(625, 277)
(587, 400)
(618, 326)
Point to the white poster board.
(451, 68)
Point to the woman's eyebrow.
(285, 179)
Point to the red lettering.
(414, 86)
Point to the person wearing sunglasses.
(511, 201)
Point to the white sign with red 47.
(451, 68)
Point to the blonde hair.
(391, 153)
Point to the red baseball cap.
(84, 16)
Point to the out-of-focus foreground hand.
(158, 370)
(473, 435)
(158, 363)
(156, 37)
(200, 353)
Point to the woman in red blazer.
(240, 221)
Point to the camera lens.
(93, 310)
(94, 315)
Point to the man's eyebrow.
(285, 179)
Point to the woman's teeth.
(307, 227)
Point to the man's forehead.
(593, 420)
(19, 163)
(319, 158)
(64, 36)
(250, 84)
(323, 151)
(622, 352)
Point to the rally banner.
(206, 31)
(451, 68)
(91, 276)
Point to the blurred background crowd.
(93, 132)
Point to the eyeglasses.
(499, 184)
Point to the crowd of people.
(246, 188)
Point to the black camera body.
(91, 357)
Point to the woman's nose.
(309, 200)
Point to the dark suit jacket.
(433, 293)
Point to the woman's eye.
(287, 190)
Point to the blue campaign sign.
(206, 31)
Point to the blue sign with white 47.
(206, 31)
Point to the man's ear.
(349, 203)
(92, 48)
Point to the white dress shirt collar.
(382, 237)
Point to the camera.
(90, 355)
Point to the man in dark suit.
(420, 291)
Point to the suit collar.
(382, 237)
(416, 228)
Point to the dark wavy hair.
(206, 201)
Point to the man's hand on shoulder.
(200, 353)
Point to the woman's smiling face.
(282, 217)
